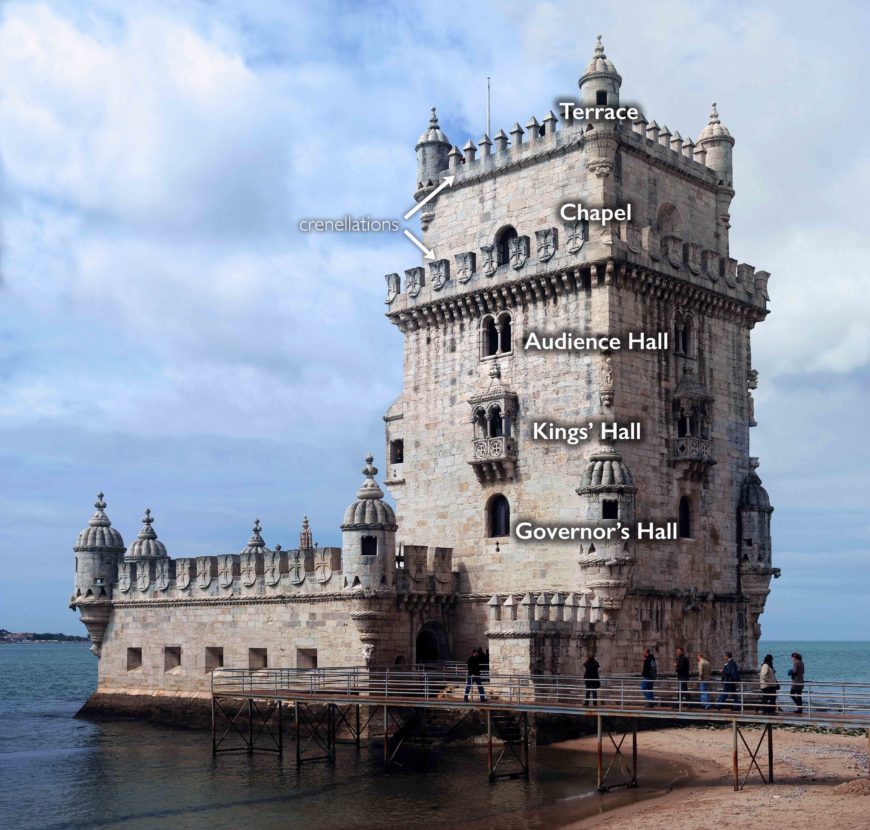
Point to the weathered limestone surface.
(446, 572)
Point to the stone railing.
(502, 448)
(690, 448)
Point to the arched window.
(499, 518)
(504, 332)
(490, 336)
(496, 427)
(687, 347)
(480, 426)
(685, 519)
(503, 241)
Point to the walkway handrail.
(845, 703)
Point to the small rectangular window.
(306, 658)
(258, 658)
(369, 546)
(609, 509)
(134, 659)
(171, 658)
(747, 543)
(601, 98)
(214, 658)
(397, 451)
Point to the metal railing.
(841, 703)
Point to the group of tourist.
(702, 696)
(768, 685)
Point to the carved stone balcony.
(494, 459)
(693, 455)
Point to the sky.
(170, 338)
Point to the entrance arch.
(432, 643)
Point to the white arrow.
(428, 254)
(447, 182)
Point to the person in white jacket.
(768, 684)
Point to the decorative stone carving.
(440, 273)
(693, 257)
(249, 568)
(322, 565)
(143, 576)
(576, 234)
(124, 581)
(203, 571)
(488, 260)
(518, 250)
(225, 570)
(672, 246)
(465, 266)
(183, 568)
(414, 280)
(651, 244)
(546, 241)
(296, 566)
(600, 167)
(161, 574)
(368, 654)
(710, 265)
(631, 235)
(272, 566)
(605, 381)
(394, 287)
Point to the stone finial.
(256, 540)
(306, 539)
(484, 144)
(369, 489)
(550, 123)
(714, 115)
(599, 48)
(469, 150)
(533, 128)
(517, 133)
(147, 532)
(100, 519)
(501, 141)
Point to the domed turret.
(600, 83)
(255, 543)
(98, 549)
(432, 148)
(754, 511)
(147, 545)
(717, 142)
(368, 536)
(606, 473)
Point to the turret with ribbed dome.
(147, 545)
(432, 148)
(716, 141)
(98, 548)
(600, 83)
(368, 537)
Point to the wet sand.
(820, 781)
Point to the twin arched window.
(498, 517)
(496, 334)
(491, 422)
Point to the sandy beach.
(820, 781)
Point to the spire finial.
(147, 532)
(256, 528)
(433, 119)
(99, 503)
(714, 115)
(370, 471)
(599, 48)
(148, 520)
(306, 539)
(369, 488)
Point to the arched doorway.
(432, 643)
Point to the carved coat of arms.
(272, 567)
(440, 271)
(519, 252)
(143, 576)
(414, 279)
(161, 574)
(546, 242)
(124, 576)
(465, 266)
(322, 565)
(394, 286)
(488, 263)
(296, 566)
(182, 573)
(203, 571)
(249, 568)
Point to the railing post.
(600, 755)
(734, 756)
(298, 741)
(489, 741)
(769, 753)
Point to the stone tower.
(466, 464)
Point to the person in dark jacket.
(796, 673)
(681, 667)
(649, 673)
(473, 676)
(592, 680)
(730, 679)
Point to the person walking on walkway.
(796, 673)
(473, 675)
(591, 678)
(704, 675)
(730, 679)
(649, 673)
(768, 685)
(681, 667)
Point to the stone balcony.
(494, 459)
(694, 455)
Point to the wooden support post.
(280, 730)
(330, 734)
(770, 753)
(298, 737)
(250, 725)
(357, 727)
(423, 737)
(600, 754)
(214, 729)
(526, 743)
(489, 741)
(634, 752)
(734, 763)
(386, 738)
